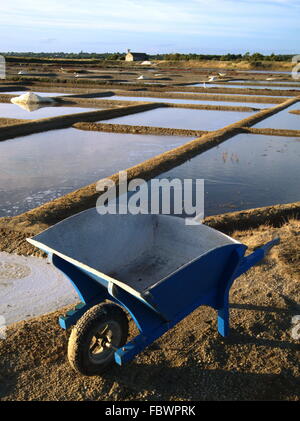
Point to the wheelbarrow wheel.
(95, 337)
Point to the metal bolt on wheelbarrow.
(153, 266)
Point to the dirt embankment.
(274, 216)
(124, 128)
(214, 107)
(10, 121)
(230, 65)
(257, 361)
(272, 132)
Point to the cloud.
(231, 19)
(193, 17)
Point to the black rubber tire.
(82, 334)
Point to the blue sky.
(153, 26)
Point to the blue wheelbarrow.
(153, 267)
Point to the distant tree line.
(253, 58)
(81, 55)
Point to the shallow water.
(217, 85)
(266, 71)
(9, 110)
(283, 119)
(187, 101)
(246, 171)
(40, 167)
(181, 118)
(280, 88)
(273, 82)
(17, 93)
(216, 94)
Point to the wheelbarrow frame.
(150, 320)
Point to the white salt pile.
(31, 98)
(143, 78)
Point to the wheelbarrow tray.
(138, 252)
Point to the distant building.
(135, 56)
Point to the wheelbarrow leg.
(223, 320)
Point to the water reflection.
(283, 120)
(245, 172)
(40, 167)
(188, 101)
(182, 118)
(8, 110)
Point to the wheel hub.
(101, 346)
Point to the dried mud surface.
(272, 132)
(125, 128)
(10, 121)
(259, 360)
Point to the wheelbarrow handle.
(255, 257)
(267, 247)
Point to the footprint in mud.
(12, 271)
(4, 284)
